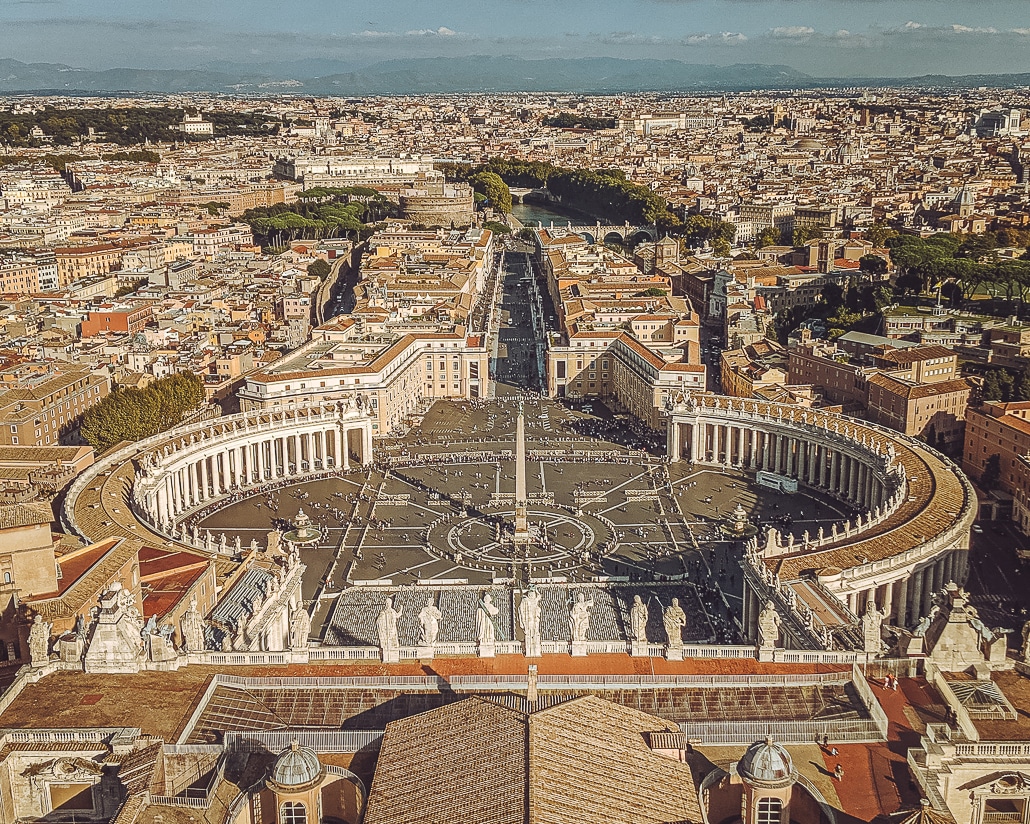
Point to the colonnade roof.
(934, 502)
(934, 499)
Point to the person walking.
(838, 772)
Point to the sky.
(825, 38)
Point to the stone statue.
(485, 630)
(529, 620)
(674, 619)
(429, 618)
(769, 626)
(300, 628)
(1025, 648)
(579, 619)
(39, 642)
(386, 626)
(638, 620)
(872, 620)
(922, 626)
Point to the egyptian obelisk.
(521, 520)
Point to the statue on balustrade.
(386, 626)
(39, 642)
(769, 626)
(300, 628)
(529, 620)
(674, 619)
(429, 618)
(872, 621)
(638, 620)
(1025, 647)
(579, 619)
(485, 614)
(192, 626)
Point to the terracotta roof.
(584, 760)
(33, 513)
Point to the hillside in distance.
(598, 75)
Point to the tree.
(1023, 388)
(991, 390)
(802, 234)
(872, 265)
(319, 269)
(992, 473)
(133, 414)
(769, 236)
(497, 227)
(495, 190)
(879, 233)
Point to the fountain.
(304, 531)
(736, 525)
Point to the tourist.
(838, 772)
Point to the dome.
(766, 762)
(296, 767)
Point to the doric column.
(926, 596)
(852, 601)
(337, 447)
(194, 484)
(260, 446)
(366, 443)
(888, 597)
(901, 602)
(716, 445)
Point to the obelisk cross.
(521, 519)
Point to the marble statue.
(485, 614)
(386, 626)
(1025, 648)
(529, 620)
(674, 619)
(769, 626)
(39, 642)
(872, 620)
(300, 628)
(429, 618)
(638, 620)
(579, 619)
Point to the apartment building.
(1001, 429)
(934, 412)
(40, 404)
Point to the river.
(530, 214)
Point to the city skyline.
(873, 38)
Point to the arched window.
(7, 577)
(769, 811)
(293, 812)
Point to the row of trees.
(572, 120)
(319, 213)
(1004, 385)
(133, 414)
(124, 127)
(600, 192)
(962, 264)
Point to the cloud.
(792, 32)
(442, 31)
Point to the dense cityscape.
(524, 457)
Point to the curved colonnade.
(150, 486)
(915, 506)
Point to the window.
(293, 812)
(769, 811)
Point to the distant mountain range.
(450, 74)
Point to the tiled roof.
(583, 760)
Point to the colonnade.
(837, 469)
(909, 597)
(203, 462)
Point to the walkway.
(876, 778)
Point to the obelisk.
(521, 520)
